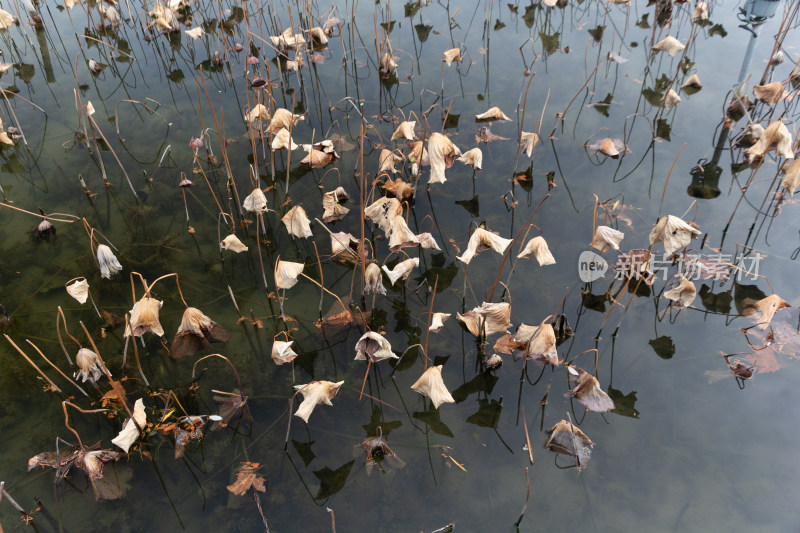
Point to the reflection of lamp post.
(753, 15)
(705, 175)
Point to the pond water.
(689, 446)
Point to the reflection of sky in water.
(692, 453)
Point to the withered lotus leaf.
(700, 11)
(405, 130)
(88, 364)
(538, 247)
(441, 154)
(692, 81)
(438, 320)
(586, 389)
(670, 100)
(540, 342)
(673, 232)
(286, 273)
(196, 332)
(398, 188)
(288, 39)
(314, 394)
(481, 240)
(610, 147)
(255, 201)
(318, 36)
(493, 362)
(194, 33)
(387, 160)
(528, 141)
(283, 141)
(109, 264)
(494, 113)
(741, 370)
(388, 64)
(771, 93)
(79, 289)
(247, 478)
(283, 118)
(373, 280)
(684, 293)
(606, 238)
(374, 347)
(488, 319)
(432, 385)
(670, 45)
(345, 246)
(453, 54)
(130, 429)
(316, 159)
(297, 222)
(232, 243)
(383, 211)
(567, 439)
(791, 179)
(426, 240)
(333, 205)
(473, 158)
(378, 451)
(144, 318)
(401, 270)
(282, 352)
(765, 309)
(400, 235)
(776, 137)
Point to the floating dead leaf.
(482, 240)
(775, 137)
(488, 319)
(567, 439)
(79, 289)
(288, 39)
(764, 309)
(670, 45)
(297, 222)
(398, 188)
(314, 394)
(673, 232)
(378, 451)
(494, 113)
(373, 280)
(282, 352)
(527, 141)
(286, 273)
(539, 341)
(441, 153)
(387, 160)
(196, 332)
(247, 478)
(432, 385)
(405, 130)
(700, 11)
(130, 429)
(606, 238)
(255, 201)
(473, 158)
(771, 93)
(610, 147)
(232, 243)
(333, 205)
(684, 293)
(401, 270)
(692, 81)
(538, 247)
(144, 317)
(437, 321)
(283, 118)
(506, 344)
(791, 179)
(453, 54)
(374, 347)
(586, 389)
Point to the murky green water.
(686, 449)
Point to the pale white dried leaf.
(684, 293)
(255, 201)
(670, 45)
(286, 273)
(441, 154)
(282, 352)
(606, 238)
(297, 222)
(493, 113)
(538, 247)
(432, 385)
(673, 232)
(401, 270)
(130, 431)
(405, 130)
(481, 240)
(473, 158)
(232, 243)
(314, 394)
(438, 320)
(79, 289)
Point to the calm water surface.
(686, 449)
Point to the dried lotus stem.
(56, 368)
(39, 370)
(235, 372)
